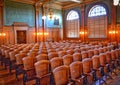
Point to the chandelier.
(50, 15)
(116, 2)
(48, 11)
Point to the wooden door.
(21, 36)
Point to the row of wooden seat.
(86, 69)
(48, 52)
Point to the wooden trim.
(25, 1)
(15, 27)
(36, 20)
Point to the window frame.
(95, 36)
(72, 23)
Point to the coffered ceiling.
(59, 3)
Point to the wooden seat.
(105, 49)
(59, 49)
(114, 59)
(117, 57)
(101, 50)
(82, 49)
(109, 62)
(24, 51)
(77, 57)
(29, 71)
(32, 54)
(76, 72)
(65, 48)
(43, 51)
(42, 57)
(87, 66)
(90, 53)
(42, 69)
(67, 59)
(52, 55)
(97, 68)
(77, 50)
(19, 64)
(61, 53)
(6, 59)
(70, 51)
(103, 63)
(96, 52)
(55, 62)
(51, 50)
(61, 76)
(84, 54)
(12, 59)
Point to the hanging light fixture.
(116, 2)
(50, 15)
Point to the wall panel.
(18, 12)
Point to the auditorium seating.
(75, 63)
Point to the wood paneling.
(53, 35)
(1, 19)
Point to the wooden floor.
(9, 79)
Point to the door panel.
(21, 37)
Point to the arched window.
(97, 22)
(72, 15)
(97, 10)
(72, 25)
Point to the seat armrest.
(29, 69)
(83, 76)
(92, 71)
(18, 65)
(70, 83)
(100, 68)
(75, 80)
(107, 65)
(44, 75)
(88, 74)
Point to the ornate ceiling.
(59, 3)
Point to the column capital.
(82, 8)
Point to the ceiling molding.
(56, 4)
(79, 4)
(71, 6)
(26, 1)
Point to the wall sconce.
(82, 32)
(116, 2)
(45, 33)
(113, 32)
(2, 34)
(41, 33)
